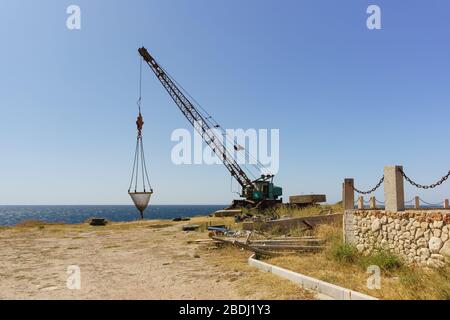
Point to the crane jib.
(194, 117)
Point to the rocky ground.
(141, 260)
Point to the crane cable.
(208, 117)
(139, 151)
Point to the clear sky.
(347, 100)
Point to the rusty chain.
(371, 190)
(431, 186)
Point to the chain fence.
(432, 204)
(412, 182)
(371, 190)
(431, 186)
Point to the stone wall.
(420, 237)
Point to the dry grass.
(248, 278)
(288, 211)
(344, 266)
(36, 224)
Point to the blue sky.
(347, 100)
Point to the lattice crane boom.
(197, 120)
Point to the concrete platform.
(307, 199)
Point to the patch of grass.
(159, 226)
(292, 211)
(343, 265)
(297, 212)
(445, 294)
(36, 224)
(345, 253)
(297, 231)
(386, 260)
(251, 282)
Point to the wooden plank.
(247, 247)
(283, 242)
(288, 247)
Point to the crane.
(259, 193)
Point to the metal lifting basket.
(141, 199)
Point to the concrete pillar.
(416, 202)
(361, 203)
(372, 203)
(446, 204)
(348, 196)
(394, 194)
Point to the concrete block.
(393, 189)
(348, 199)
(372, 203)
(416, 202)
(322, 288)
(259, 264)
(360, 202)
(307, 199)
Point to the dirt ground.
(137, 260)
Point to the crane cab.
(262, 193)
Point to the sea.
(71, 214)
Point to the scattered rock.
(422, 243)
(405, 235)
(445, 249)
(438, 224)
(376, 225)
(424, 252)
(437, 233)
(420, 238)
(436, 264)
(435, 256)
(435, 244)
(98, 222)
(419, 234)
